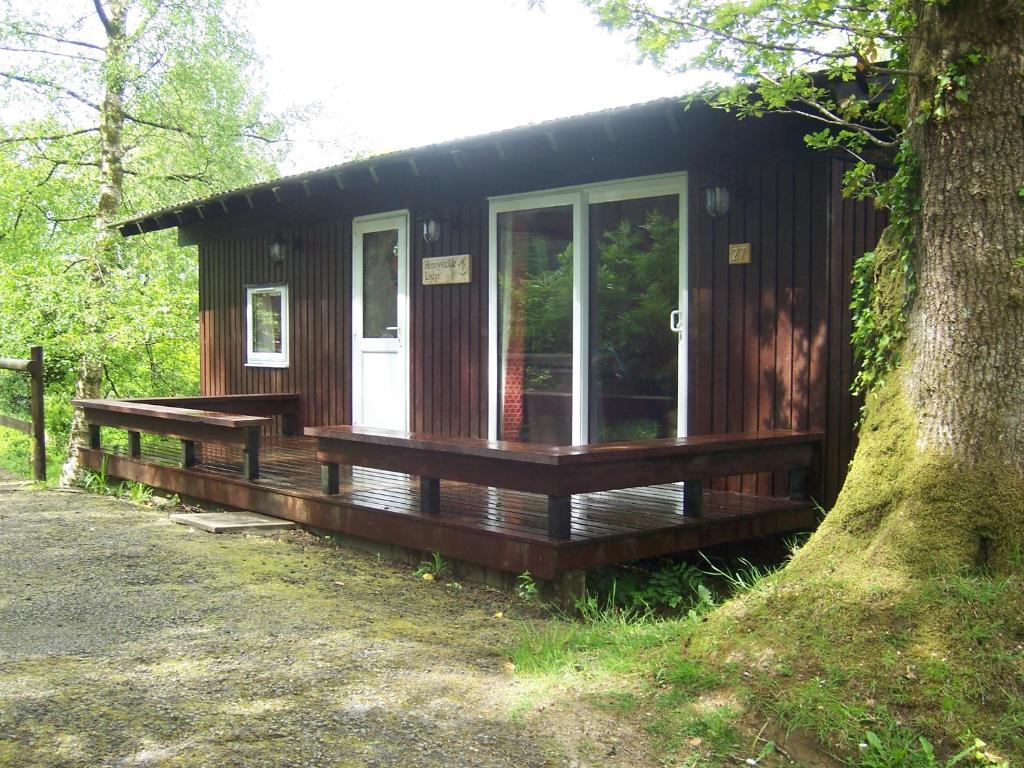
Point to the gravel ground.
(127, 640)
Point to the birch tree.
(110, 108)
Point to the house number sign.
(447, 270)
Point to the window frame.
(254, 359)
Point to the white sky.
(398, 74)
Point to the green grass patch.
(16, 456)
(925, 673)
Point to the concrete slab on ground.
(231, 522)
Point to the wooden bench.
(561, 471)
(283, 404)
(186, 424)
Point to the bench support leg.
(94, 437)
(430, 495)
(560, 517)
(134, 445)
(188, 453)
(329, 479)
(798, 484)
(251, 454)
(693, 498)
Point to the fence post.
(38, 427)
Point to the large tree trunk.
(111, 187)
(938, 477)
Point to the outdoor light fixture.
(279, 242)
(431, 230)
(716, 201)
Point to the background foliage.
(195, 123)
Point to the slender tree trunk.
(111, 186)
(937, 482)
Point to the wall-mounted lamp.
(716, 201)
(431, 230)
(280, 242)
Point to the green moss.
(905, 514)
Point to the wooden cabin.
(631, 277)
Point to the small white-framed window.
(266, 323)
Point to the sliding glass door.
(535, 325)
(588, 313)
(634, 289)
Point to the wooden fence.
(34, 368)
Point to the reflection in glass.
(535, 325)
(634, 285)
(380, 284)
(266, 322)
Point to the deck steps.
(231, 522)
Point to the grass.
(930, 675)
(16, 456)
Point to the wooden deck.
(501, 529)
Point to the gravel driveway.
(127, 640)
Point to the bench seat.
(561, 471)
(190, 425)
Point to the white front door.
(380, 320)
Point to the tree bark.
(965, 332)
(111, 189)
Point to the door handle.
(675, 323)
(396, 329)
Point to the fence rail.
(34, 368)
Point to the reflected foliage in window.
(266, 322)
(634, 286)
(380, 284)
(535, 325)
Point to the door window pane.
(535, 325)
(634, 286)
(380, 284)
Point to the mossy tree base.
(903, 614)
(913, 514)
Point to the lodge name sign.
(447, 270)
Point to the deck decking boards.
(607, 527)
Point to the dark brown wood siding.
(317, 274)
(769, 341)
(448, 356)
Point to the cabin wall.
(769, 341)
(319, 330)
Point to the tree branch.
(64, 41)
(42, 83)
(104, 19)
(51, 137)
(79, 57)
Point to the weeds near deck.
(429, 570)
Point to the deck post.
(94, 437)
(329, 478)
(134, 444)
(798, 484)
(188, 453)
(560, 517)
(251, 454)
(430, 495)
(693, 498)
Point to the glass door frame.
(580, 198)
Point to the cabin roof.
(676, 111)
